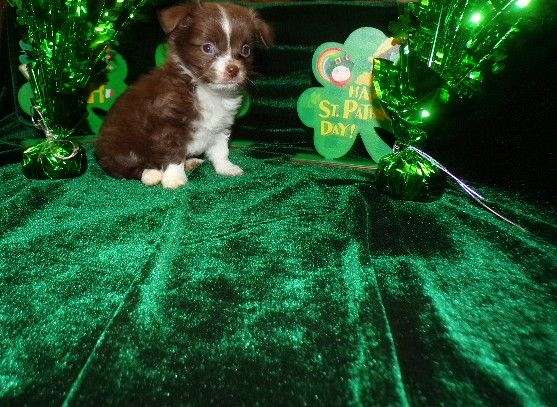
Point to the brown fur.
(150, 125)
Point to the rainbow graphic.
(323, 58)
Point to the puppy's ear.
(170, 17)
(263, 31)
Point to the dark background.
(507, 136)
(504, 137)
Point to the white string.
(473, 194)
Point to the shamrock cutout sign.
(346, 106)
(102, 98)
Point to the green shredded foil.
(54, 159)
(405, 175)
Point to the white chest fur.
(216, 115)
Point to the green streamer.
(450, 48)
(407, 176)
(65, 42)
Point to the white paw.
(173, 181)
(174, 176)
(228, 169)
(151, 176)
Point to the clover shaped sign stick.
(346, 106)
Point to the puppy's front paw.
(174, 176)
(228, 169)
(173, 181)
(151, 176)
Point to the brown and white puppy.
(186, 108)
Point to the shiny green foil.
(464, 40)
(54, 159)
(64, 44)
(448, 49)
(409, 91)
(407, 176)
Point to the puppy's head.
(214, 42)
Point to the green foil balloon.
(54, 159)
(406, 175)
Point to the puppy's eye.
(208, 48)
(246, 51)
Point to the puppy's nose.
(232, 70)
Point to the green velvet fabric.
(289, 285)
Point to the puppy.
(186, 108)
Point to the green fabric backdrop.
(289, 285)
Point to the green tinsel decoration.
(449, 48)
(406, 175)
(64, 44)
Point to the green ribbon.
(54, 159)
(407, 176)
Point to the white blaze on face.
(225, 59)
(340, 74)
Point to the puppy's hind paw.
(192, 163)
